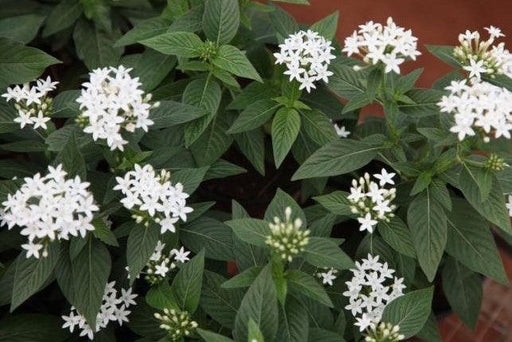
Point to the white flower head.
(162, 263)
(371, 201)
(369, 291)
(32, 103)
(384, 332)
(113, 308)
(389, 44)
(482, 57)
(48, 208)
(112, 102)
(478, 107)
(287, 239)
(152, 193)
(178, 324)
(307, 56)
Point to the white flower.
(341, 131)
(49, 208)
(481, 57)
(478, 106)
(369, 291)
(152, 193)
(32, 103)
(286, 238)
(112, 102)
(112, 309)
(161, 269)
(390, 45)
(307, 56)
(180, 255)
(371, 201)
(328, 276)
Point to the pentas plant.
(198, 170)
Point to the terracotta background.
(435, 22)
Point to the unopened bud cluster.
(371, 201)
(208, 51)
(495, 163)
(178, 324)
(287, 239)
(384, 332)
(32, 103)
(480, 56)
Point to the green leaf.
(22, 28)
(254, 116)
(471, 242)
(186, 286)
(283, 23)
(172, 113)
(493, 209)
(72, 160)
(218, 302)
(476, 177)
(252, 146)
(182, 44)
(318, 127)
(209, 336)
(242, 279)
(502, 81)
(21, 64)
(94, 47)
(252, 231)
(427, 221)
(213, 236)
(213, 142)
(285, 128)
(323, 252)
(293, 322)
(64, 104)
(223, 169)
(336, 202)
(260, 305)
(91, 269)
(303, 283)
(409, 311)
(338, 157)
(7, 114)
(444, 53)
(31, 274)
(231, 59)
(203, 93)
(463, 289)
(345, 81)
(161, 297)
(430, 331)
(62, 16)
(103, 233)
(33, 328)
(424, 103)
(253, 92)
(144, 30)
(189, 178)
(220, 20)
(141, 244)
(397, 235)
(357, 102)
(327, 26)
(322, 335)
(151, 68)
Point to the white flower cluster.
(151, 196)
(286, 238)
(32, 103)
(478, 106)
(160, 263)
(390, 45)
(328, 276)
(113, 308)
(48, 208)
(112, 102)
(177, 324)
(307, 56)
(371, 201)
(371, 288)
(384, 332)
(480, 57)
